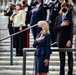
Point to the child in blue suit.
(43, 51)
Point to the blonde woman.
(42, 44)
(18, 18)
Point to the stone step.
(5, 44)
(17, 58)
(28, 53)
(6, 49)
(10, 72)
(6, 54)
(31, 58)
(19, 72)
(31, 40)
(6, 41)
(31, 68)
(20, 62)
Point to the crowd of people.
(59, 27)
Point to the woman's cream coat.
(21, 18)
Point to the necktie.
(63, 16)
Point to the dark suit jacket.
(54, 10)
(39, 15)
(28, 16)
(64, 33)
(43, 46)
(9, 14)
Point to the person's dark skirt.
(39, 64)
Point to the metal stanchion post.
(35, 69)
(75, 47)
(24, 63)
(11, 54)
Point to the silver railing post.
(11, 52)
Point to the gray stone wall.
(3, 26)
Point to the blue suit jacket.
(39, 15)
(43, 46)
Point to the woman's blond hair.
(45, 25)
(21, 7)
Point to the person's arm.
(36, 41)
(44, 14)
(12, 16)
(28, 16)
(33, 3)
(48, 45)
(23, 15)
(71, 29)
(57, 27)
(69, 42)
(6, 13)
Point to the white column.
(0, 6)
(0, 3)
(3, 5)
(7, 4)
(29, 1)
(13, 1)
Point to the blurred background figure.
(18, 17)
(8, 12)
(70, 8)
(74, 1)
(33, 3)
(74, 18)
(27, 8)
(54, 7)
(37, 13)
(64, 29)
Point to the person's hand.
(65, 23)
(68, 44)
(34, 1)
(60, 12)
(46, 62)
(20, 28)
(15, 13)
(40, 38)
(35, 9)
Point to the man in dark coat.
(64, 29)
(38, 13)
(54, 8)
(8, 12)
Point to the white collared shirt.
(63, 15)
